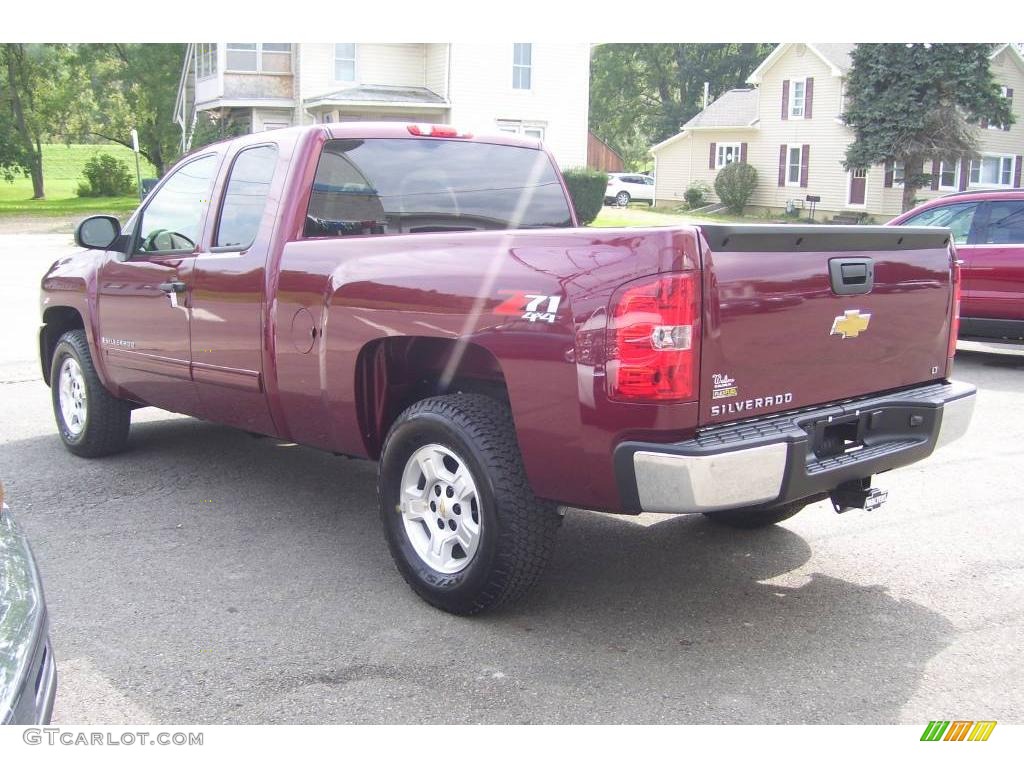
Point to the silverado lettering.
(362, 288)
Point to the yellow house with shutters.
(788, 125)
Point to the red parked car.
(988, 229)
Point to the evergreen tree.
(911, 103)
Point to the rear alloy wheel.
(622, 199)
(440, 508)
(462, 523)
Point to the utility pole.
(138, 171)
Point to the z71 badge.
(533, 307)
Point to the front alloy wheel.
(71, 396)
(622, 199)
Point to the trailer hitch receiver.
(858, 494)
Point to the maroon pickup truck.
(424, 298)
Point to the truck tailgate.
(779, 331)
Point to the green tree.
(134, 85)
(211, 128)
(41, 96)
(641, 93)
(909, 103)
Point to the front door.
(143, 300)
(858, 185)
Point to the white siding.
(687, 160)
(401, 64)
(826, 136)
(436, 68)
(481, 93)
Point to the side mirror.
(98, 232)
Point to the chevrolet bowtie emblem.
(850, 324)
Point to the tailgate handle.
(851, 276)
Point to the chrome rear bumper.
(780, 459)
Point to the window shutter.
(808, 97)
(805, 153)
(936, 170)
(711, 157)
(743, 153)
(1016, 170)
(1009, 95)
(965, 173)
(785, 99)
(888, 174)
(782, 165)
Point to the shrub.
(735, 184)
(586, 188)
(696, 194)
(105, 176)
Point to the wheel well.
(394, 373)
(56, 322)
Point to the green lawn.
(62, 171)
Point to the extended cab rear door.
(228, 289)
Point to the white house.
(536, 89)
(788, 126)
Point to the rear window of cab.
(405, 186)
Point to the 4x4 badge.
(850, 324)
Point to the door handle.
(175, 286)
(851, 276)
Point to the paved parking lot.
(205, 576)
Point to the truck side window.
(246, 196)
(957, 217)
(172, 221)
(401, 186)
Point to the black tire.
(755, 517)
(107, 419)
(622, 198)
(517, 530)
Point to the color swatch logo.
(958, 730)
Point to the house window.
(793, 167)
(242, 57)
(726, 154)
(797, 98)
(272, 58)
(522, 65)
(276, 58)
(345, 62)
(948, 174)
(992, 171)
(206, 60)
(899, 172)
(530, 130)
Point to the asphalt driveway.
(206, 576)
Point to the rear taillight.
(954, 323)
(437, 131)
(653, 339)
